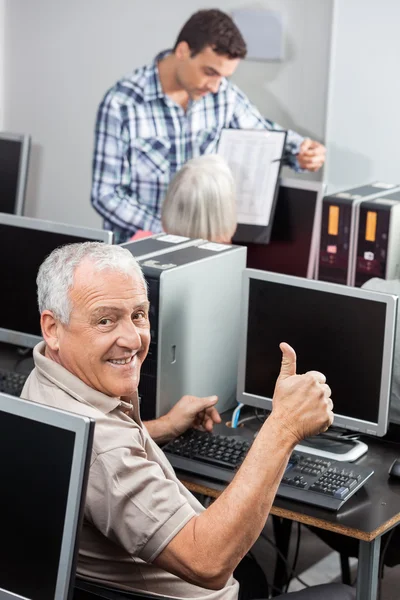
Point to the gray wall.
(363, 125)
(60, 57)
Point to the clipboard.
(255, 158)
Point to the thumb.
(210, 401)
(202, 403)
(288, 364)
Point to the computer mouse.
(394, 470)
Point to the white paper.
(214, 247)
(253, 157)
(172, 239)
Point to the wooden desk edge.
(305, 519)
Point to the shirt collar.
(71, 384)
(153, 88)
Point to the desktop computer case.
(159, 243)
(378, 240)
(195, 294)
(339, 227)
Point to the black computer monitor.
(24, 244)
(14, 162)
(346, 333)
(293, 247)
(44, 465)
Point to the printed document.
(254, 157)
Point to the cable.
(263, 417)
(236, 415)
(283, 557)
(296, 555)
(245, 419)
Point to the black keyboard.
(12, 382)
(308, 478)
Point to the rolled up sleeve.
(133, 503)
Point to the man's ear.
(182, 51)
(50, 331)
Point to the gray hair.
(56, 274)
(201, 200)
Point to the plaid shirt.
(143, 138)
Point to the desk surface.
(374, 509)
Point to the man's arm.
(209, 547)
(300, 153)
(112, 195)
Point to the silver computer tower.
(194, 295)
(339, 227)
(378, 240)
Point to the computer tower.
(339, 226)
(194, 295)
(159, 243)
(378, 239)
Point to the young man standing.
(153, 121)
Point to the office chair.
(86, 590)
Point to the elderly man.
(143, 530)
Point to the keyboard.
(308, 478)
(12, 382)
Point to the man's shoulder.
(128, 89)
(110, 433)
(42, 390)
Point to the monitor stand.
(333, 446)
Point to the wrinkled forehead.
(92, 284)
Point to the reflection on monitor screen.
(14, 160)
(293, 247)
(344, 332)
(24, 244)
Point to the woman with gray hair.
(201, 201)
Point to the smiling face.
(108, 334)
(201, 74)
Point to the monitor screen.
(345, 334)
(43, 483)
(24, 244)
(293, 246)
(14, 160)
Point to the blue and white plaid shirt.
(143, 138)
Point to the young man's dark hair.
(212, 28)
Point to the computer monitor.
(293, 247)
(344, 332)
(24, 244)
(14, 161)
(44, 465)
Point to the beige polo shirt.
(135, 504)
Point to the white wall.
(364, 116)
(62, 56)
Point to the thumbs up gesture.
(301, 403)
